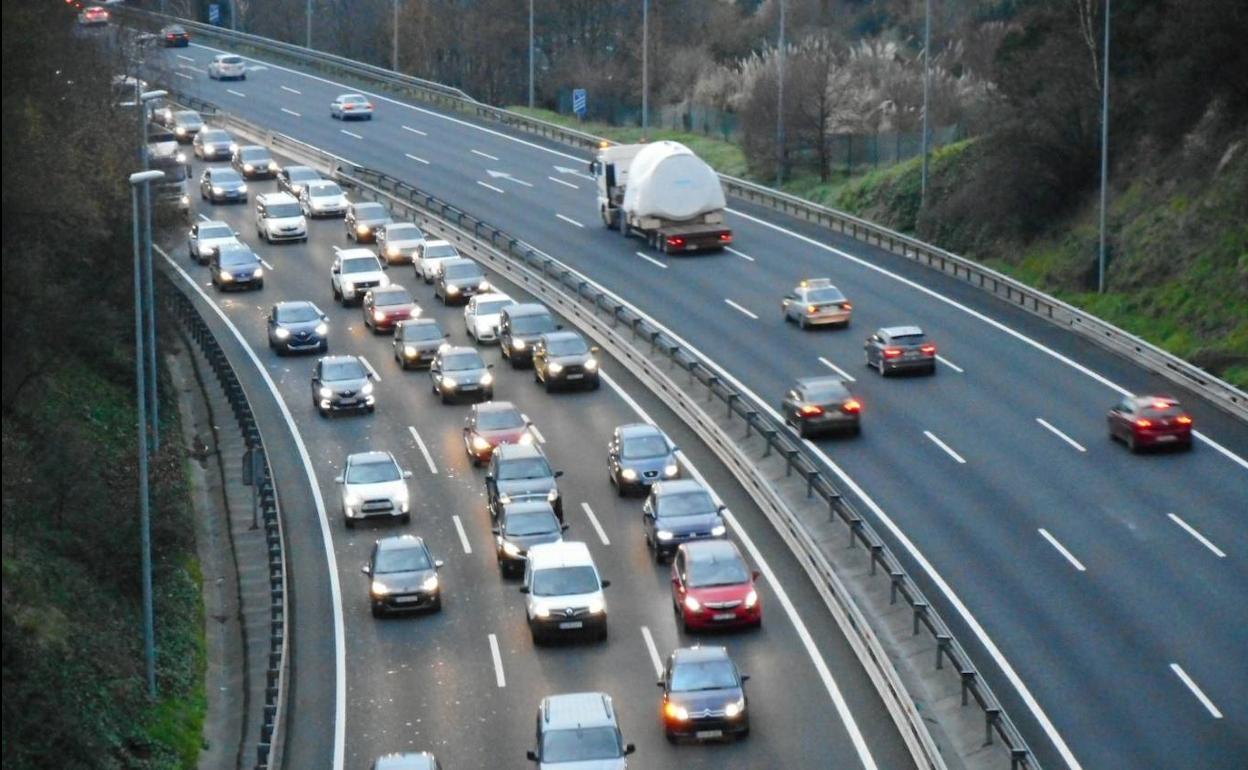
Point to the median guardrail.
(256, 467)
(1139, 351)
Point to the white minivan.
(563, 592)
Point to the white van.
(563, 592)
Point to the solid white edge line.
(267, 266)
(950, 364)
(655, 658)
(602, 534)
(848, 377)
(932, 436)
(1200, 695)
(650, 259)
(463, 534)
(731, 250)
(1199, 537)
(236, 93)
(1062, 550)
(350, 133)
(495, 653)
(184, 57)
(292, 90)
(204, 218)
(537, 433)
(489, 186)
(742, 310)
(484, 154)
(371, 370)
(291, 112)
(812, 651)
(423, 449)
(414, 130)
(1045, 423)
(565, 184)
(569, 220)
(418, 160)
(335, 589)
(184, 75)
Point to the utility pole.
(645, 69)
(927, 84)
(530, 54)
(394, 43)
(308, 19)
(1100, 269)
(149, 302)
(780, 102)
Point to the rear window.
(1172, 410)
(908, 339)
(825, 295)
(231, 60)
(825, 393)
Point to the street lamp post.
(780, 102)
(645, 69)
(149, 299)
(394, 43)
(307, 13)
(1100, 265)
(530, 54)
(143, 178)
(927, 80)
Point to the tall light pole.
(149, 299)
(1100, 268)
(645, 69)
(530, 54)
(308, 19)
(143, 178)
(780, 101)
(394, 43)
(927, 83)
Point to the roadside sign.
(214, 13)
(580, 102)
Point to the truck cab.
(164, 154)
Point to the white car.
(279, 218)
(351, 106)
(397, 241)
(205, 237)
(563, 592)
(323, 199)
(427, 257)
(354, 272)
(481, 315)
(373, 485)
(227, 66)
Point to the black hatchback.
(404, 576)
(235, 266)
(703, 695)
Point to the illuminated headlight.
(452, 289)
(233, 146)
(663, 534)
(629, 474)
(483, 286)
(511, 549)
(552, 495)
(693, 604)
(597, 606)
(281, 333)
(751, 599)
(735, 708)
(554, 367)
(379, 588)
(181, 156)
(218, 190)
(518, 344)
(526, 439)
(185, 200)
(671, 470)
(272, 165)
(258, 272)
(487, 379)
(415, 312)
(242, 188)
(326, 393)
(676, 713)
(378, 315)
(393, 251)
(430, 584)
(210, 148)
(718, 530)
(248, 168)
(367, 389)
(225, 276)
(322, 329)
(480, 444)
(362, 229)
(445, 346)
(348, 286)
(409, 351)
(352, 500)
(180, 131)
(541, 611)
(505, 499)
(449, 383)
(591, 364)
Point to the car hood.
(590, 764)
(730, 593)
(372, 222)
(643, 464)
(487, 320)
(339, 386)
(392, 310)
(425, 344)
(462, 376)
(679, 525)
(371, 275)
(229, 185)
(577, 359)
(706, 700)
(528, 541)
(296, 327)
(381, 489)
(241, 267)
(518, 489)
(401, 582)
(503, 435)
(467, 280)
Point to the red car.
(93, 16)
(492, 423)
(385, 307)
(713, 587)
(1148, 421)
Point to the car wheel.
(548, 385)
(406, 518)
(802, 431)
(1132, 445)
(602, 635)
(437, 606)
(372, 409)
(596, 384)
(377, 611)
(350, 522)
(801, 321)
(658, 556)
(671, 737)
(619, 488)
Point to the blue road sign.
(580, 102)
(214, 13)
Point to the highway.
(465, 683)
(1105, 595)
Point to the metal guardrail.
(268, 750)
(1139, 351)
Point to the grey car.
(459, 372)
(519, 326)
(254, 162)
(521, 526)
(816, 405)
(342, 383)
(297, 327)
(222, 185)
(521, 472)
(458, 279)
(235, 266)
(679, 512)
(293, 179)
(564, 359)
(900, 348)
(186, 124)
(639, 455)
(397, 241)
(363, 220)
(404, 577)
(204, 238)
(213, 144)
(418, 760)
(417, 342)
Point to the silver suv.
(373, 485)
(579, 730)
(279, 218)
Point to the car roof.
(494, 406)
(277, 197)
(291, 304)
(677, 487)
(340, 360)
(900, 331)
(351, 96)
(526, 308)
(517, 451)
(578, 709)
(635, 429)
(453, 261)
(702, 551)
(831, 382)
(356, 254)
(364, 458)
(1165, 402)
(699, 653)
(419, 322)
(815, 283)
(212, 222)
(437, 242)
(422, 760)
(567, 553)
(398, 542)
(491, 296)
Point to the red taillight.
(892, 352)
(369, 105)
(928, 350)
(811, 410)
(725, 237)
(1142, 423)
(851, 406)
(676, 241)
(1183, 420)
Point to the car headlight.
(718, 530)
(181, 156)
(367, 389)
(185, 200)
(511, 549)
(218, 190)
(258, 272)
(452, 289)
(248, 168)
(362, 229)
(693, 604)
(233, 146)
(414, 312)
(591, 364)
(180, 131)
(552, 495)
(380, 588)
(212, 148)
(675, 713)
(629, 474)
(505, 499)
(325, 393)
(541, 610)
(348, 286)
(527, 438)
(735, 708)
(351, 500)
(483, 286)
(671, 470)
(409, 351)
(322, 329)
(480, 444)
(378, 315)
(554, 367)
(751, 599)
(663, 534)
(518, 344)
(449, 382)
(487, 379)
(272, 165)
(597, 606)
(282, 333)
(225, 276)
(430, 584)
(242, 188)
(392, 251)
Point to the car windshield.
(686, 504)
(440, 251)
(297, 313)
(500, 419)
(253, 153)
(537, 323)
(567, 346)
(326, 190)
(703, 675)
(226, 176)
(824, 295)
(391, 297)
(541, 523)
(462, 271)
(392, 560)
(580, 745)
(302, 174)
(342, 370)
(493, 306)
(188, 119)
(215, 231)
(1169, 410)
(717, 572)
(373, 472)
(825, 393)
(461, 361)
(370, 211)
(526, 468)
(283, 210)
(561, 581)
(237, 257)
(644, 446)
(404, 233)
(422, 332)
(214, 136)
(360, 265)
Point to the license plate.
(575, 376)
(572, 624)
(468, 387)
(724, 615)
(1166, 438)
(709, 733)
(406, 599)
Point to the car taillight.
(1141, 423)
(811, 410)
(892, 352)
(851, 406)
(1183, 420)
(676, 241)
(725, 237)
(928, 350)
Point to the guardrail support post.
(991, 715)
(855, 526)
(770, 434)
(943, 642)
(968, 681)
(711, 382)
(876, 550)
(729, 400)
(1019, 758)
(895, 579)
(920, 611)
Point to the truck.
(662, 192)
(163, 153)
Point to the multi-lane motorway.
(1105, 594)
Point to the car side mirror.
(489, 366)
(629, 748)
(532, 755)
(366, 570)
(606, 584)
(335, 270)
(495, 531)
(559, 327)
(338, 479)
(558, 474)
(489, 477)
(447, 336)
(745, 677)
(593, 349)
(722, 508)
(661, 683)
(407, 474)
(564, 527)
(385, 265)
(524, 589)
(438, 564)
(757, 574)
(324, 318)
